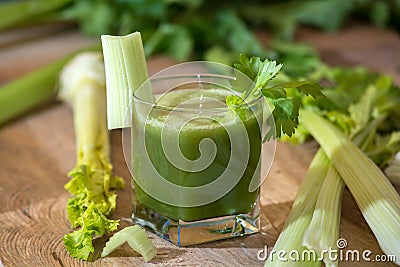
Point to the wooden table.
(38, 149)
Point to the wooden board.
(37, 151)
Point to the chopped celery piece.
(126, 70)
(291, 237)
(137, 239)
(323, 231)
(377, 199)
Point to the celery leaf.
(308, 87)
(285, 115)
(91, 201)
(94, 223)
(286, 106)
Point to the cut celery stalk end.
(323, 232)
(291, 237)
(136, 238)
(126, 71)
(377, 199)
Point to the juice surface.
(205, 125)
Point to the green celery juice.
(190, 131)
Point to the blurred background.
(202, 29)
(299, 34)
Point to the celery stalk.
(291, 237)
(126, 71)
(34, 88)
(83, 88)
(377, 199)
(323, 231)
(25, 93)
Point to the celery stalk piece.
(323, 231)
(32, 89)
(17, 12)
(291, 237)
(376, 197)
(126, 71)
(83, 88)
(137, 239)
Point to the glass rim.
(248, 104)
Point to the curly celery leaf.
(79, 243)
(91, 187)
(94, 223)
(75, 208)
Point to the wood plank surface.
(37, 151)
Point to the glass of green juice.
(196, 163)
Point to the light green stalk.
(126, 71)
(83, 87)
(23, 94)
(323, 232)
(377, 199)
(291, 237)
(32, 89)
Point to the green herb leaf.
(286, 106)
(266, 72)
(250, 67)
(235, 103)
(308, 87)
(274, 93)
(285, 115)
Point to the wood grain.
(37, 151)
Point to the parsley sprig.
(284, 105)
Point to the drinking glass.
(196, 163)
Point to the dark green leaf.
(285, 116)
(274, 92)
(307, 87)
(250, 67)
